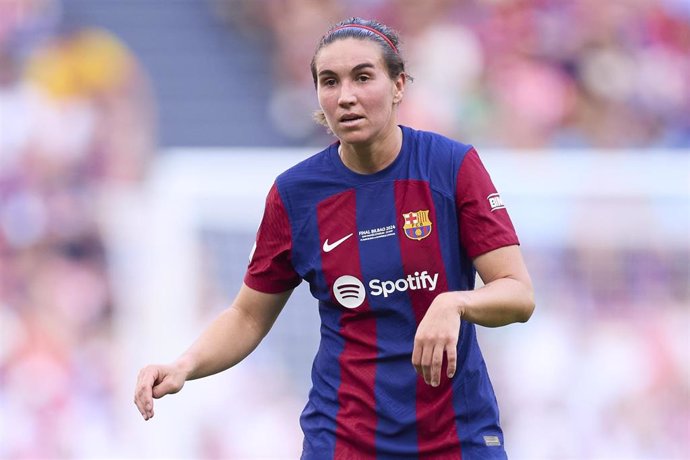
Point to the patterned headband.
(370, 29)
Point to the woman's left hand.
(437, 334)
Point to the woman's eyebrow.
(364, 65)
(357, 68)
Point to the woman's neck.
(374, 157)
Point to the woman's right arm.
(230, 338)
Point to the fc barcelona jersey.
(376, 249)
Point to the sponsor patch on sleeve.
(495, 202)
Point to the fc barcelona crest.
(417, 224)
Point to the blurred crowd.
(77, 123)
(508, 73)
(604, 370)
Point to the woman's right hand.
(225, 342)
(156, 381)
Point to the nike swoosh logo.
(328, 247)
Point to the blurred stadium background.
(139, 138)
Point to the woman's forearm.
(228, 340)
(233, 335)
(507, 297)
(501, 302)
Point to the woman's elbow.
(528, 305)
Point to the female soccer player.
(387, 225)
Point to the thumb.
(167, 386)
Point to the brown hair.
(363, 29)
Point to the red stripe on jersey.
(482, 228)
(270, 268)
(436, 427)
(356, 418)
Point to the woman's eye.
(329, 82)
(363, 78)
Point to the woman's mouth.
(350, 119)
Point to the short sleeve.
(483, 220)
(270, 267)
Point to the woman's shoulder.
(438, 149)
(307, 170)
(437, 143)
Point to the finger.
(145, 406)
(436, 362)
(417, 357)
(167, 386)
(139, 407)
(161, 390)
(143, 396)
(452, 355)
(427, 355)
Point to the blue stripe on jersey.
(318, 417)
(449, 241)
(474, 398)
(445, 180)
(395, 325)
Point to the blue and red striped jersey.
(376, 250)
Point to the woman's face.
(355, 91)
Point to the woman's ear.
(399, 88)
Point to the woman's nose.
(347, 95)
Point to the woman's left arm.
(506, 297)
